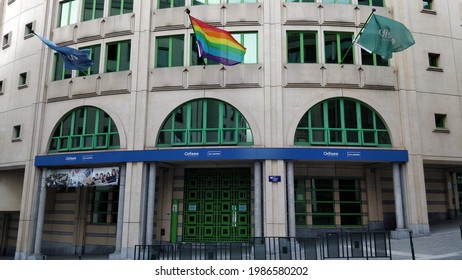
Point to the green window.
(68, 12)
(377, 3)
(373, 59)
(95, 52)
(304, 1)
(119, 7)
(85, 128)
(427, 5)
(60, 72)
(337, 1)
(93, 9)
(104, 202)
(342, 122)
(171, 3)
(169, 51)
(118, 56)
(336, 46)
(300, 201)
(195, 59)
(205, 122)
(349, 193)
(250, 42)
(205, 2)
(322, 202)
(302, 47)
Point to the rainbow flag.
(217, 44)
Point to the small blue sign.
(275, 179)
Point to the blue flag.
(73, 59)
(384, 36)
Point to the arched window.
(205, 122)
(85, 128)
(342, 122)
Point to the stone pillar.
(40, 216)
(151, 204)
(120, 215)
(258, 199)
(291, 199)
(400, 232)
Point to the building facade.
(153, 145)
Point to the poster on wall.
(82, 177)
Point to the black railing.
(345, 245)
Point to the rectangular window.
(195, 59)
(300, 201)
(118, 56)
(68, 12)
(250, 42)
(440, 121)
(373, 59)
(104, 205)
(95, 52)
(302, 47)
(169, 51)
(119, 7)
(427, 5)
(163, 4)
(29, 29)
(322, 202)
(22, 80)
(1, 88)
(93, 9)
(377, 3)
(60, 73)
(350, 202)
(16, 133)
(433, 60)
(6, 40)
(205, 2)
(336, 46)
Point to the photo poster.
(83, 177)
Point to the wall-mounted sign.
(274, 179)
(82, 177)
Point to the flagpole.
(357, 35)
(195, 36)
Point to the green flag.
(383, 36)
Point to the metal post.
(412, 245)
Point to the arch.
(84, 128)
(205, 122)
(342, 122)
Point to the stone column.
(258, 199)
(400, 232)
(40, 215)
(151, 204)
(120, 215)
(291, 199)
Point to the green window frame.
(164, 4)
(300, 201)
(119, 7)
(195, 59)
(92, 9)
(322, 202)
(68, 12)
(373, 59)
(205, 122)
(336, 45)
(342, 122)
(350, 202)
(60, 72)
(376, 3)
(170, 51)
(95, 55)
(337, 1)
(250, 41)
(205, 2)
(85, 128)
(302, 47)
(118, 56)
(104, 204)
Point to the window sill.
(16, 139)
(434, 69)
(22, 86)
(430, 12)
(441, 130)
(7, 45)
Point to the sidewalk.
(444, 243)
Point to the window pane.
(197, 114)
(331, 48)
(367, 118)
(351, 118)
(95, 52)
(317, 116)
(162, 52)
(250, 43)
(177, 50)
(213, 112)
(310, 48)
(345, 42)
(334, 113)
(124, 56)
(116, 7)
(293, 48)
(88, 10)
(112, 54)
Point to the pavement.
(443, 243)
